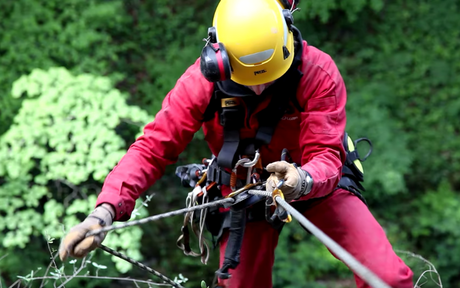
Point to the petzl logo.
(230, 103)
(259, 72)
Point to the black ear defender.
(214, 62)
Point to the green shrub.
(55, 156)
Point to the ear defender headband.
(215, 63)
(289, 4)
(289, 7)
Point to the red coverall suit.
(313, 138)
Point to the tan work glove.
(297, 182)
(75, 244)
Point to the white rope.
(362, 271)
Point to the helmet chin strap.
(258, 89)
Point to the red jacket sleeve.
(323, 98)
(163, 140)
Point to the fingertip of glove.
(269, 167)
(63, 254)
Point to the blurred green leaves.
(324, 9)
(43, 34)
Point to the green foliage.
(301, 258)
(391, 158)
(324, 9)
(438, 215)
(64, 135)
(43, 34)
(163, 42)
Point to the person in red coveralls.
(273, 92)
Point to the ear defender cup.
(214, 62)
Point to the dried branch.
(431, 270)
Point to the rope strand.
(160, 216)
(140, 265)
(367, 275)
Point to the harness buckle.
(246, 163)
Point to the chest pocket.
(285, 136)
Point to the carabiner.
(282, 214)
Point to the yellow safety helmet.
(251, 42)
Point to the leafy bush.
(55, 156)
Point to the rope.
(161, 216)
(142, 266)
(362, 271)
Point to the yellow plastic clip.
(278, 193)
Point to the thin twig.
(1, 258)
(52, 264)
(82, 266)
(431, 270)
(15, 282)
(128, 121)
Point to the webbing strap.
(352, 156)
(235, 240)
(229, 150)
(219, 175)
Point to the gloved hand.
(297, 182)
(75, 243)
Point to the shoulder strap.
(213, 106)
